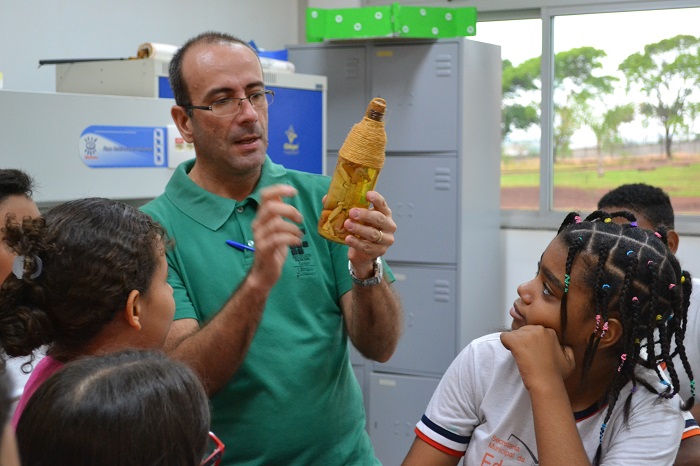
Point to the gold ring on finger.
(381, 235)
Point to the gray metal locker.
(396, 403)
(442, 181)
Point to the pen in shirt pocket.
(239, 246)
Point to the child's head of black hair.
(78, 265)
(651, 202)
(633, 277)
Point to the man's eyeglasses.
(232, 105)
(214, 459)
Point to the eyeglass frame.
(214, 459)
(240, 100)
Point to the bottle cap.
(376, 109)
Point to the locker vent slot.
(352, 68)
(443, 179)
(443, 66)
(441, 290)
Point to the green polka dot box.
(389, 21)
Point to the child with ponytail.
(88, 278)
(577, 380)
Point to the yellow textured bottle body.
(360, 160)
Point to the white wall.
(32, 30)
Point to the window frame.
(546, 217)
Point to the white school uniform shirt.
(481, 407)
(692, 344)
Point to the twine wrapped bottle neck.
(366, 142)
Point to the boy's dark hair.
(636, 279)
(650, 201)
(126, 408)
(15, 182)
(81, 261)
(177, 80)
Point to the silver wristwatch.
(376, 279)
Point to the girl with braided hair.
(577, 380)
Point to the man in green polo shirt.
(265, 305)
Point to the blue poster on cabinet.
(296, 129)
(124, 146)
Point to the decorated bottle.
(360, 160)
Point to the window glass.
(521, 48)
(626, 100)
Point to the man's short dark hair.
(177, 81)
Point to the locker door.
(396, 404)
(420, 84)
(427, 346)
(422, 193)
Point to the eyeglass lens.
(233, 105)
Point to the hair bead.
(623, 358)
(602, 431)
(635, 299)
(671, 286)
(605, 286)
(608, 220)
(567, 280)
(692, 388)
(630, 252)
(657, 234)
(633, 224)
(683, 279)
(658, 317)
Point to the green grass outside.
(678, 180)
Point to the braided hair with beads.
(637, 280)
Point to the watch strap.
(375, 279)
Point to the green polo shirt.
(295, 400)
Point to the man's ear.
(182, 121)
(612, 334)
(673, 240)
(132, 310)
